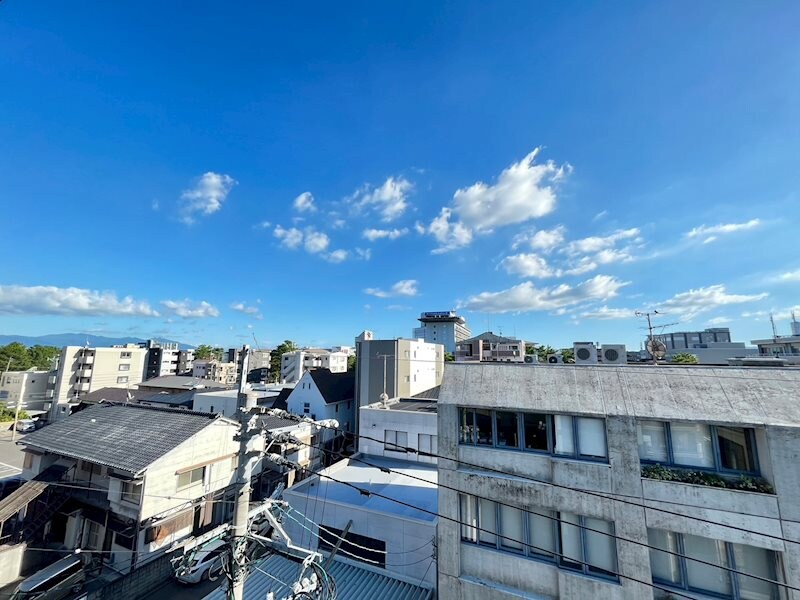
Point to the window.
(573, 542)
(188, 478)
(124, 367)
(719, 448)
(125, 355)
(131, 492)
(353, 545)
(306, 407)
(683, 570)
(122, 379)
(395, 441)
(562, 435)
(93, 539)
(427, 443)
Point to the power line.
(549, 483)
(556, 519)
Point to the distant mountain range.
(76, 339)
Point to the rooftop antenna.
(772, 322)
(654, 346)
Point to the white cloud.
(316, 241)
(51, 300)
(404, 287)
(601, 215)
(716, 321)
(389, 234)
(338, 224)
(528, 265)
(205, 197)
(790, 276)
(547, 240)
(710, 233)
(336, 256)
(594, 244)
(290, 238)
(263, 225)
(304, 203)
(523, 191)
(390, 200)
(695, 301)
(449, 235)
(420, 228)
(526, 297)
(604, 313)
(243, 308)
(190, 310)
(363, 253)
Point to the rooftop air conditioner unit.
(529, 359)
(585, 353)
(555, 359)
(614, 354)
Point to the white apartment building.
(615, 481)
(26, 388)
(322, 395)
(488, 347)
(446, 328)
(390, 428)
(214, 370)
(82, 370)
(400, 367)
(296, 363)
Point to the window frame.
(472, 433)
(750, 435)
(191, 483)
(732, 574)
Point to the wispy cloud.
(693, 302)
(379, 234)
(290, 238)
(712, 232)
(404, 287)
(304, 203)
(389, 200)
(52, 300)
(790, 276)
(205, 197)
(243, 308)
(187, 309)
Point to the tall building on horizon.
(444, 327)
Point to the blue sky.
(211, 172)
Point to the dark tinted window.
(735, 449)
(483, 424)
(507, 432)
(536, 432)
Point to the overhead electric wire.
(556, 519)
(617, 497)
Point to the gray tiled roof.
(128, 437)
(182, 382)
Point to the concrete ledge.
(703, 496)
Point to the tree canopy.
(684, 358)
(275, 359)
(206, 352)
(22, 358)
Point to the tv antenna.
(655, 347)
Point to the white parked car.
(26, 425)
(206, 564)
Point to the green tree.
(206, 352)
(43, 357)
(18, 354)
(684, 358)
(543, 351)
(568, 354)
(351, 363)
(448, 357)
(275, 359)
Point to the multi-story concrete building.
(400, 367)
(488, 347)
(296, 363)
(681, 340)
(82, 370)
(782, 346)
(185, 361)
(162, 358)
(617, 482)
(214, 370)
(24, 388)
(446, 328)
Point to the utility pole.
(238, 540)
(16, 414)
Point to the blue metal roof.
(353, 582)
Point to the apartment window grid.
(558, 538)
(683, 573)
(564, 436)
(395, 441)
(717, 448)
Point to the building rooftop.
(748, 395)
(334, 387)
(353, 581)
(429, 394)
(184, 382)
(488, 336)
(109, 394)
(129, 437)
(167, 399)
(393, 484)
(424, 406)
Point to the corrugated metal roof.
(353, 582)
(129, 437)
(749, 396)
(20, 498)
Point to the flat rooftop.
(424, 406)
(421, 494)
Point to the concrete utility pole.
(238, 540)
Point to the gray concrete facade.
(762, 399)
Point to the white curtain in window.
(487, 522)
(652, 441)
(691, 444)
(755, 561)
(511, 527)
(541, 529)
(592, 437)
(469, 517)
(564, 443)
(700, 575)
(601, 549)
(665, 567)
(571, 538)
